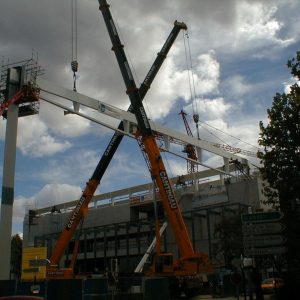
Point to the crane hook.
(74, 66)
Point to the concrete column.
(8, 190)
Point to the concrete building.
(120, 224)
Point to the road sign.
(264, 251)
(38, 262)
(31, 263)
(261, 217)
(263, 241)
(262, 228)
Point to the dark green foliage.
(16, 256)
(281, 142)
(281, 170)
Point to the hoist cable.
(227, 135)
(192, 72)
(74, 28)
(188, 71)
(74, 62)
(194, 102)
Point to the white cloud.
(170, 85)
(287, 85)
(64, 125)
(253, 28)
(176, 167)
(53, 194)
(237, 86)
(34, 138)
(173, 84)
(130, 168)
(75, 167)
(257, 27)
(20, 207)
(49, 195)
(212, 109)
(208, 73)
(214, 161)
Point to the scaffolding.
(28, 105)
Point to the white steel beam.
(167, 134)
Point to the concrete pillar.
(13, 84)
(8, 190)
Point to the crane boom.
(190, 262)
(81, 208)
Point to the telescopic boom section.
(157, 166)
(81, 208)
(77, 214)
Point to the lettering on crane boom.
(76, 212)
(110, 145)
(149, 75)
(167, 186)
(144, 116)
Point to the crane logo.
(168, 189)
(110, 145)
(144, 117)
(149, 75)
(76, 212)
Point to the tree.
(281, 142)
(16, 255)
(281, 166)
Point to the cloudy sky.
(238, 52)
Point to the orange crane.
(189, 264)
(76, 219)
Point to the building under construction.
(120, 224)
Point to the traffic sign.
(262, 228)
(261, 217)
(38, 262)
(264, 251)
(263, 241)
(31, 270)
